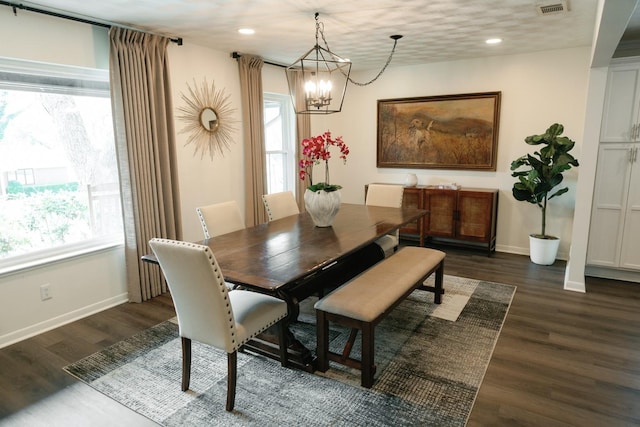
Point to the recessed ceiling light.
(247, 31)
(493, 41)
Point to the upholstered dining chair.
(211, 314)
(281, 204)
(220, 218)
(386, 195)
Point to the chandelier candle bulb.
(325, 89)
(318, 95)
(309, 88)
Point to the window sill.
(20, 267)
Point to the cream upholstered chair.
(220, 218)
(279, 205)
(211, 314)
(388, 196)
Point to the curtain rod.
(236, 55)
(105, 24)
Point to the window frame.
(289, 135)
(17, 74)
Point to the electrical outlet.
(45, 292)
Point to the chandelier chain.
(320, 28)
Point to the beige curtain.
(253, 125)
(145, 146)
(303, 130)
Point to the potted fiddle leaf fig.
(539, 176)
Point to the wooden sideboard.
(466, 216)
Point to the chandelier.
(321, 77)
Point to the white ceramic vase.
(411, 180)
(543, 251)
(323, 206)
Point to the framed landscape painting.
(439, 132)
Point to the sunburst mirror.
(207, 118)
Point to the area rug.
(430, 363)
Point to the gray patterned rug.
(430, 367)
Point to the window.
(59, 190)
(279, 131)
(23, 176)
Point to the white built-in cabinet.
(614, 235)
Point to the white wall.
(37, 37)
(79, 287)
(204, 180)
(85, 284)
(538, 89)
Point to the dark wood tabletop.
(276, 254)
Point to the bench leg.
(438, 291)
(322, 337)
(368, 347)
(438, 287)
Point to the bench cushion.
(381, 285)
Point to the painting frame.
(457, 131)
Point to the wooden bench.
(365, 300)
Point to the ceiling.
(434, 30)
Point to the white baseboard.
(612, 273)
(63, 319)
(574, 286)
(512, 250)
(562, 255)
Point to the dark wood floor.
(563, 358)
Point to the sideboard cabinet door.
(476, 211)
(441, 205)
(413, 197)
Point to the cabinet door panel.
(603, 249)
(630, 253)
(621, 103)
(412, 198)
(475, 214)
(441, 207)
(609, 200)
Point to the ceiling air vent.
(552, 8)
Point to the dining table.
(293, 259)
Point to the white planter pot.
(543, 251)
(322, 206)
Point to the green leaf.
(324, 187)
